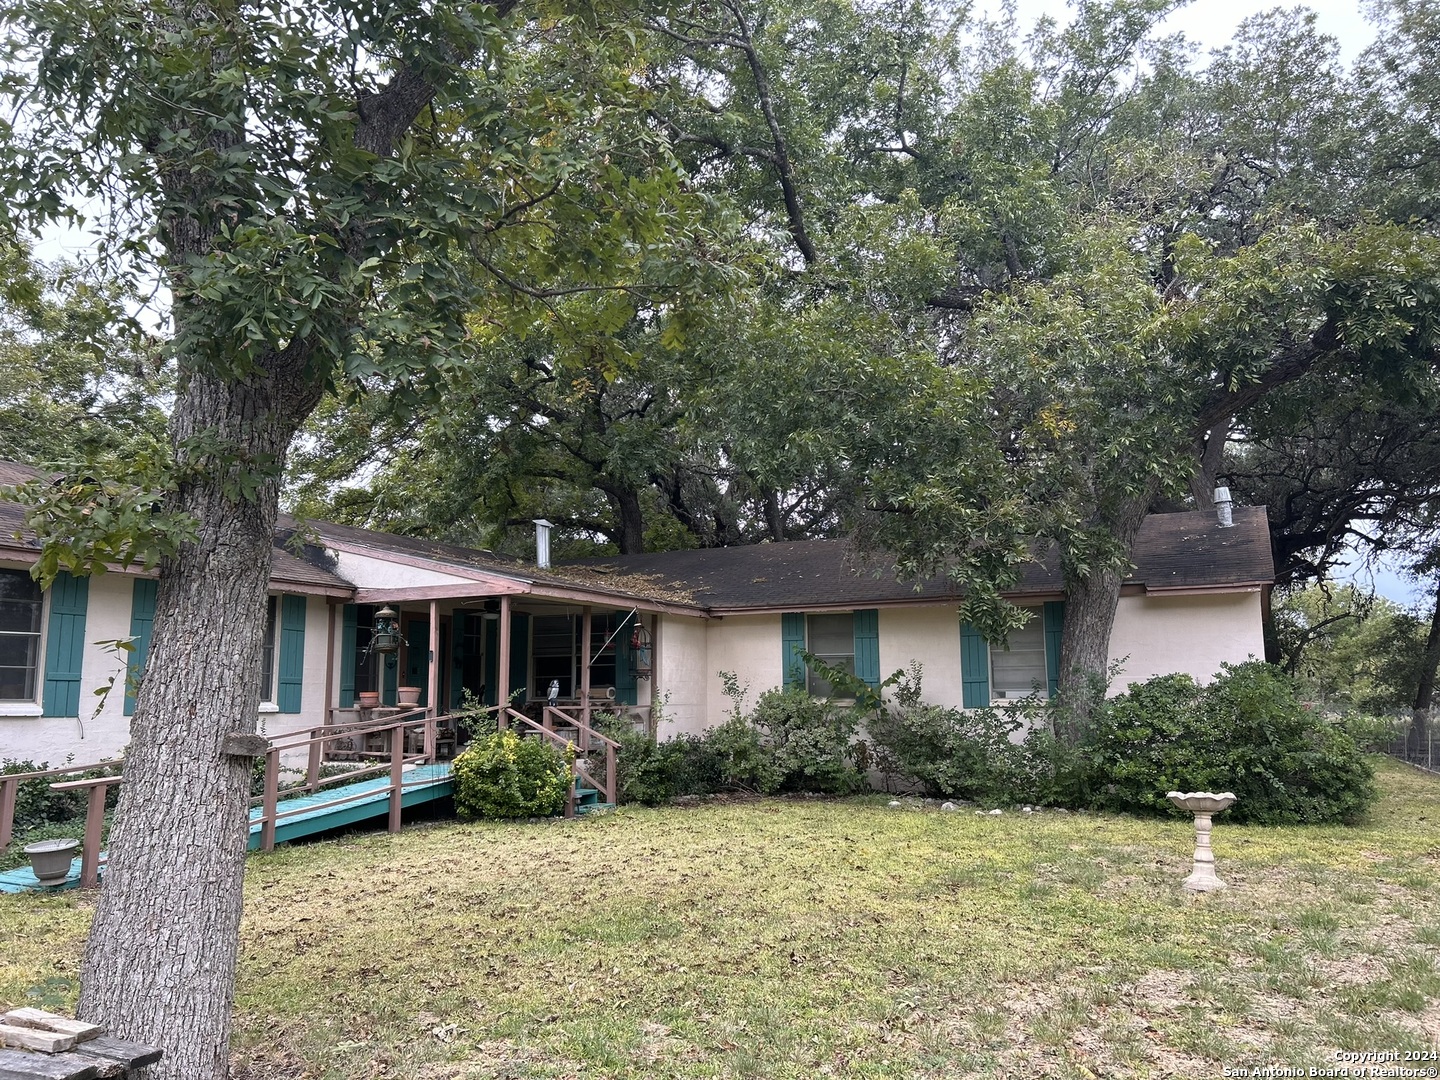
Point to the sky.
(1212, 23)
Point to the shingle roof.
(639, 585)
(1173, 551)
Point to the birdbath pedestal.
(1203, 804)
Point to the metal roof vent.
(542, 543)
(1222, 507)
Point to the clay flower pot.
(408, 695)
(50, 859)
(368, 699)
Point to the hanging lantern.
(385, 637)
(641, 652)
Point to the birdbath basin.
(50, 859)
(1203, 804)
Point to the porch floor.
(309, 814)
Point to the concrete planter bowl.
(50, 859)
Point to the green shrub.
(733, 755)
(505, 776)
(1246, 732)
(644, 770)
(810, 742)
(1148, 741)
(964, 754)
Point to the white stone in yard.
(949, 807)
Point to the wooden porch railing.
(586, 737)
(94, 824)
(314, 743)
(10, 790)
(98, 787)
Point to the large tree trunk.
(774, 517)
(1419, 736)
(160, 963)
(1090, 603)
(1207, 467)
(628, 510)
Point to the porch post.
(331, 697)
(433, 689)
(655, 695)
(586, 622)
(502, 673)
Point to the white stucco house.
(661, 627)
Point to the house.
(649, 632)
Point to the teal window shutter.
(290, 684)
(792, 644)
(974, 668)
(625, 683)
(1054, 631)
(520, 654)
(65, 645)
(349, 621)
(142, 618)
(867, 647)
(492, 661)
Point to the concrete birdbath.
(50, 859)
(1203, 804)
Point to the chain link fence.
(1422, 752)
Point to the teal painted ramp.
(329, 808)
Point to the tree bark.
(631, 516)
(1207, 471)
(1090, 603)
(774, 517)
(160, 961)
(1419, 735)
(169, 913)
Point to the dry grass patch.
(807, 938)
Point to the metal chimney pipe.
(542, 543)
(1222, 507)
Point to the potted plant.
(408, 695)
(50, 859)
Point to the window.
(832, 639)
(267, 653)
(1019, 671)
(20, 610)
(556, 652)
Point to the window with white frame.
(1019, 670)
(267, 652)
(831, 638)
(21, 604)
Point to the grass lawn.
(775, 938)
